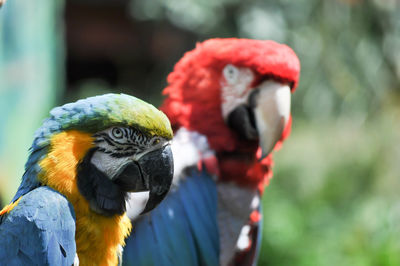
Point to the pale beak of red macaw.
(271, 107)
(255, 113)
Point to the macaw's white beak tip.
(271, 113)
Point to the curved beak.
(151, 174)
(158, 169)
(271, 112)
(265, 115)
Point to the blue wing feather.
(199, 217)
(182, 230)
(40, 230)
(144, 250)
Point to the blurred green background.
(334, 199)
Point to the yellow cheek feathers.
(94, 232)
(66, 150)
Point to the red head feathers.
(194, 95)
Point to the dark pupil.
(117, 132)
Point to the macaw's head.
(102, 149)
(234, 91)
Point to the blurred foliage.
(348, 49)
(334, 198)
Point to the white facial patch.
(107, 164)
(235, 87)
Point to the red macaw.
(228, 101)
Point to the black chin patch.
(242, 121)
(103, 195)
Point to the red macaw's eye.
(231, 73)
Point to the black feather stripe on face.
(104, 196)
(131, 140)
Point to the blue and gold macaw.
(86, 159)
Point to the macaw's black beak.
(153, 172)
(158, 168)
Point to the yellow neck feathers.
(97, 237)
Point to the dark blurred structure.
(106, 48)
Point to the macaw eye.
(230, 73)
(156, 141)
(117, 133)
